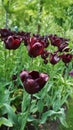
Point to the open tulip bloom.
(36, 45)
(12, 42)
(66, 58)
(54, 59)
(33, 81)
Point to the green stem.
(5, 63)
(31, 63)
(27, 114)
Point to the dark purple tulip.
(66, 58)
(54, 59)
(55, 41)
(12, 42)
(36, 45)
(42, 39)
(71, 73)
(31, 86)
(5, 33)
(33, 81)
(24, 75)
(60, 42)
(35, 49)
(63, 47)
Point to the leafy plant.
(28, 60)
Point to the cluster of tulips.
(37, 45)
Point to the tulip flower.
(35, 47)
(60, 42)
(54, 59)
(55, 41)
(33, 81)
(12, 42)
(66, 58)
(5, 33)
(63, 47)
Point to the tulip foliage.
(37, 45)
(35, 82)
(36, 66)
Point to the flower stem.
(31, 97)
(27, 113)
(31, 63)
(5, 63)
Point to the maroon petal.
(63, 47)
(34, 74)
(16, 44)
(5, 32)
(9, 43)
(31, 86)
(41, 82)
(33, 40)
(55, 40)
(36, 49)
(43, 78)
(24, 75)
(54, 59)
(66, 58)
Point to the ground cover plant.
(36, 76)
